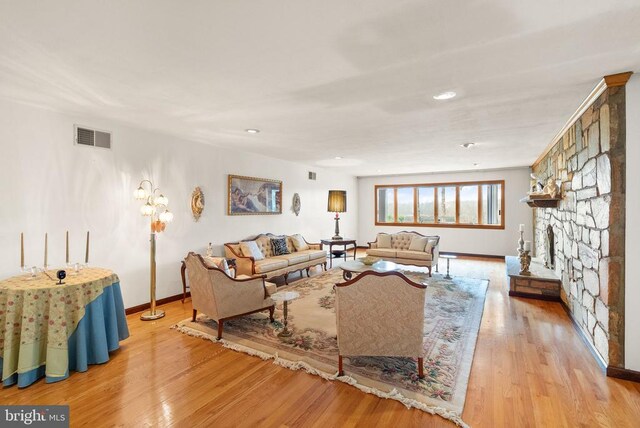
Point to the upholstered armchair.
(222, 297)
(380, 314)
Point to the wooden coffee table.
(356, 266)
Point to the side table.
(340, 242)
(448, 257)
(285, 297)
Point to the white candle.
(86, 254)
(522, 228)
(67, 253)
(21, 249)
(527, 245)
(46, 240)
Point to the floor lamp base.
(148, 316)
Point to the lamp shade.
(337, 202)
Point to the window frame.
(436, 186)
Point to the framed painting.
(249, 195)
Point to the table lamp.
(337, 203)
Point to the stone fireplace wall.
(588, 225)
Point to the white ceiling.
(326, 78)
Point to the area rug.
(453, 311)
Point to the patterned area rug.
(453, 312)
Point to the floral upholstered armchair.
(380, 314)
(222, 297)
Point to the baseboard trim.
(484, 256)
(535, 296)
(584, 339)
(163, 301)
(624, 374)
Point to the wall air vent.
(312, 175)
(92, 137)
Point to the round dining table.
(48, 329)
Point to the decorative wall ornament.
(295, 206)
(197, 203)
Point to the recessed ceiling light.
(338, 157)
(467, 145)
(476, 164)
(252, 131)
(444, 96)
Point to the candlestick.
(46, 249)
(21, 249)
(67, 253)
(86, 255)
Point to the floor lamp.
(159, 220)
(337, 203)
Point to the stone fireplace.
(583, 238)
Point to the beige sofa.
(399, 251)
(272, 266)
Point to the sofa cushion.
(381, 252)
(279, 246)
(264, 244)
(250, 249)
(418, 243)
(416, 255)
(218, 262)
(314, 254)
(271, 264)
(299, 243)
(383, 240)
(295, 258)
(401, 241)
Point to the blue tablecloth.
(99, 332)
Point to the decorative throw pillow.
(384, 240)
(299, 243)
(430, 244)
(279, 246)
(219, 262)
(418, 243)
(250, 249)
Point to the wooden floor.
(530, 369)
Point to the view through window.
(469, 204)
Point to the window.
(405, 205)
(471, 204)
(426, 204)
(385, 205)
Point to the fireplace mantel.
(541, 203)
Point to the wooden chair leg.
(183, 268)
(421, 367)
(429, 271)
(195, 312)
(271, 310)
(340, 370)
(220, 324)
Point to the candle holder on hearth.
(521, 243)
(525, 262)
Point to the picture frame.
(253, 196)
